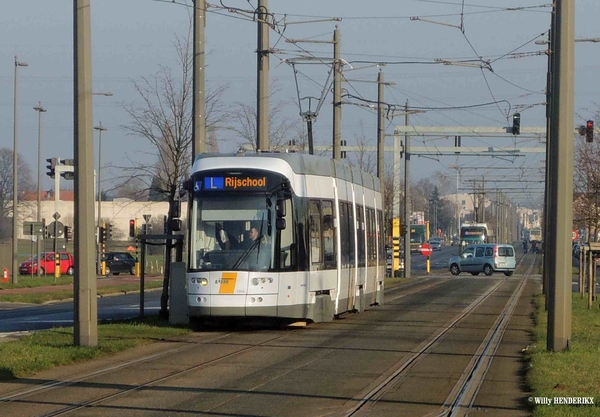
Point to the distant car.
(47, 264)
(389, 263)
(117, 262)
(435, 244)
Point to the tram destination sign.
(232, 183)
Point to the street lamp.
(40, 110)
(15, 192)
(100, 129)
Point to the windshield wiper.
(246, 253)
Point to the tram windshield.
(232, 232)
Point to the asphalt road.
(20, 318)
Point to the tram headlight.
(201, 281)
(254, 281)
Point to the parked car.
(47, 264)
(117, 262)
(486, 258)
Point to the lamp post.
(15, 188)
(99, 128)
(40, 110)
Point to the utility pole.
(40, 110)
(380, 129)
(337, 95)
(15, 241)
(483, 199)
(407, 263)
(85, 313)
(548, 207)
(561, 171)
(199, 106)
(262, 96)
(100, 129)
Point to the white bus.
(318, 228)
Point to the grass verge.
(570, 373)
(48, 349)
(393, 282)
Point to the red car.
(47, 264)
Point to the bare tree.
(282, 130)
(6, 188)
(586, 206)
(165, 120)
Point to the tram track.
(465, 391)
(23, 395)
(70, 408)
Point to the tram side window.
(371, 248)
(360, 231)
(380, 238)
(344, 234)
(315, 232)
(351, 234)
(329, 254)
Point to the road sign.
(33, 228)
(56, 229)
(575, 235)
(426, 249)
(147, 217)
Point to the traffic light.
(65, 174)
(109, 231)
(68, 233)
(52, 162)
(516, 127)
(589, 131)
(132, 228)
(101, 234)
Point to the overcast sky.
(133, 38)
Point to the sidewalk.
(100, 282)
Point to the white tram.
(318, 228)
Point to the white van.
(487, 258)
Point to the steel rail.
(364, 402)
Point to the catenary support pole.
(380, 130)
(337, 96)
(199, 107)
(262, 96)
(85, 318)
(561, 170)
(548, 206)
(407, 260)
